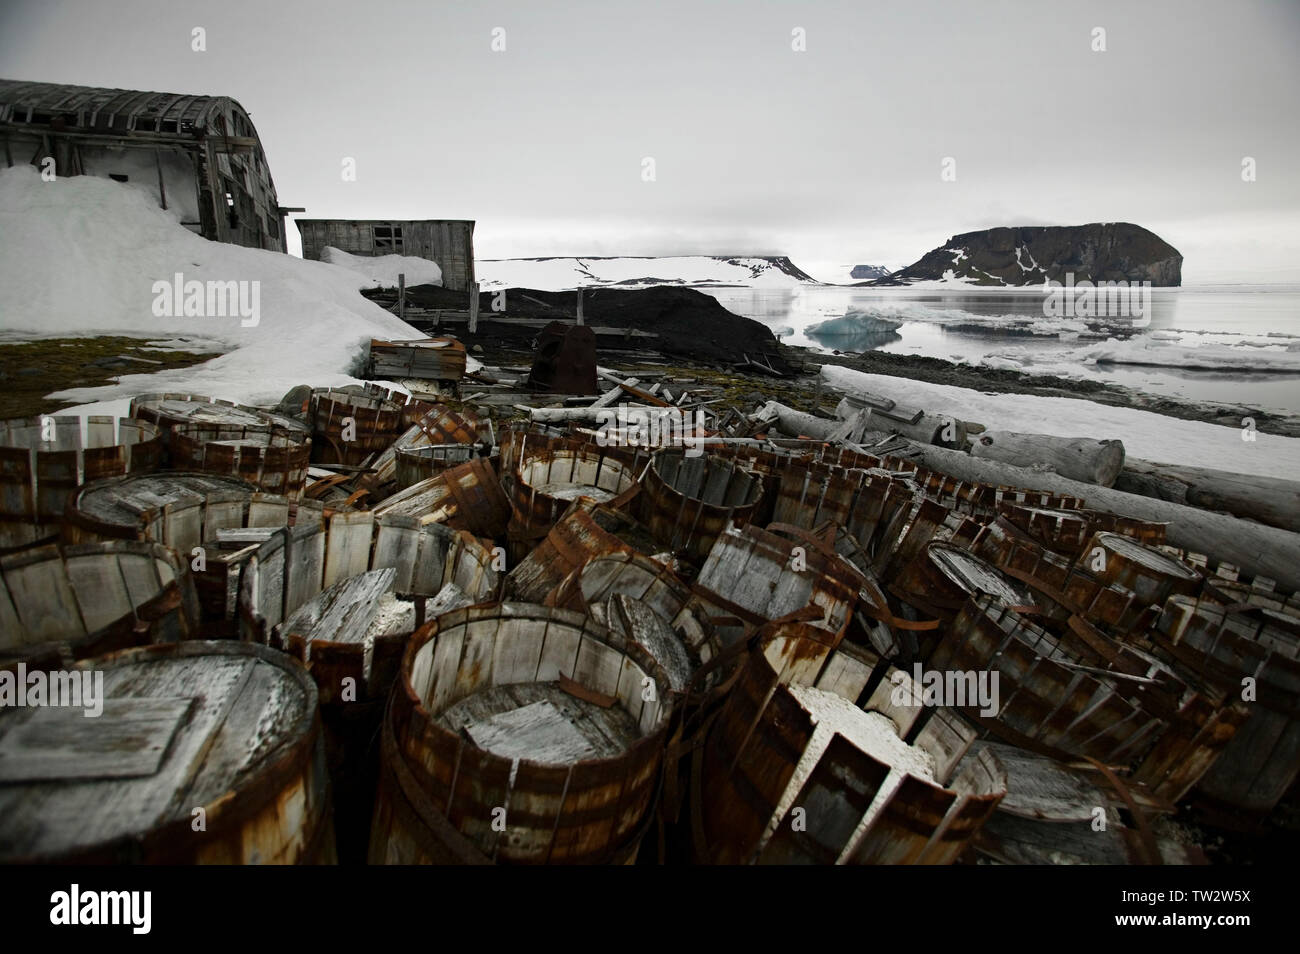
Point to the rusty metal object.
(78, 601)
(37, 475)
(414, 464)
(465, 497)
(273, 458)
(689, 501)
(545, 483)
(245, 748)
(1253, 653)
(351, 428)
(867, 810)
(295, 564)
(565, 362)
(591, 811)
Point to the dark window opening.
(388, 239)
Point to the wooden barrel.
(166, 505)
(436, 425)
(811, 761)
(413, 408)
(633, 575)
(535, 732)
(170, 409)
(944, 576)
(1066, 589)
(414, 464)
(1053, 696)
(584, 532)
(350, 428)
(1241, 649)
(350, 637)
(1151, 574)
(269, 456)
(77, 601)
(547, 482)
(1049, 815)
(689, 501)
(204, 752)
(465, 497)
(213, 522)
(37, 475)
(756, 576)
(882, 515)
(294, 565)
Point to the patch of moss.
(32, 369)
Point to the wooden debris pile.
(538, 627)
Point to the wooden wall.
(449, 242)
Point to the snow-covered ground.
(1148, 436)
(559, 274)
(382, 270)
(86, 256)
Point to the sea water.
(1009, 328)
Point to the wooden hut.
(448, 242)
(198, 155)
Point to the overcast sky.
(831, 155)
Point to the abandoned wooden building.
(198, 156)
(448, 242)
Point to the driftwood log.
(1269, 500)
(1079, 458)
(1257, 550)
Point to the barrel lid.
(975, 575)
(196, 409)
(1150, 558)
(121, 501)
(181, 726)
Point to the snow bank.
(561, 274)
(382, 270)
(81, 256)
(1145, 435)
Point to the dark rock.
(291, 405)
(1030, 255)
(689, 323)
